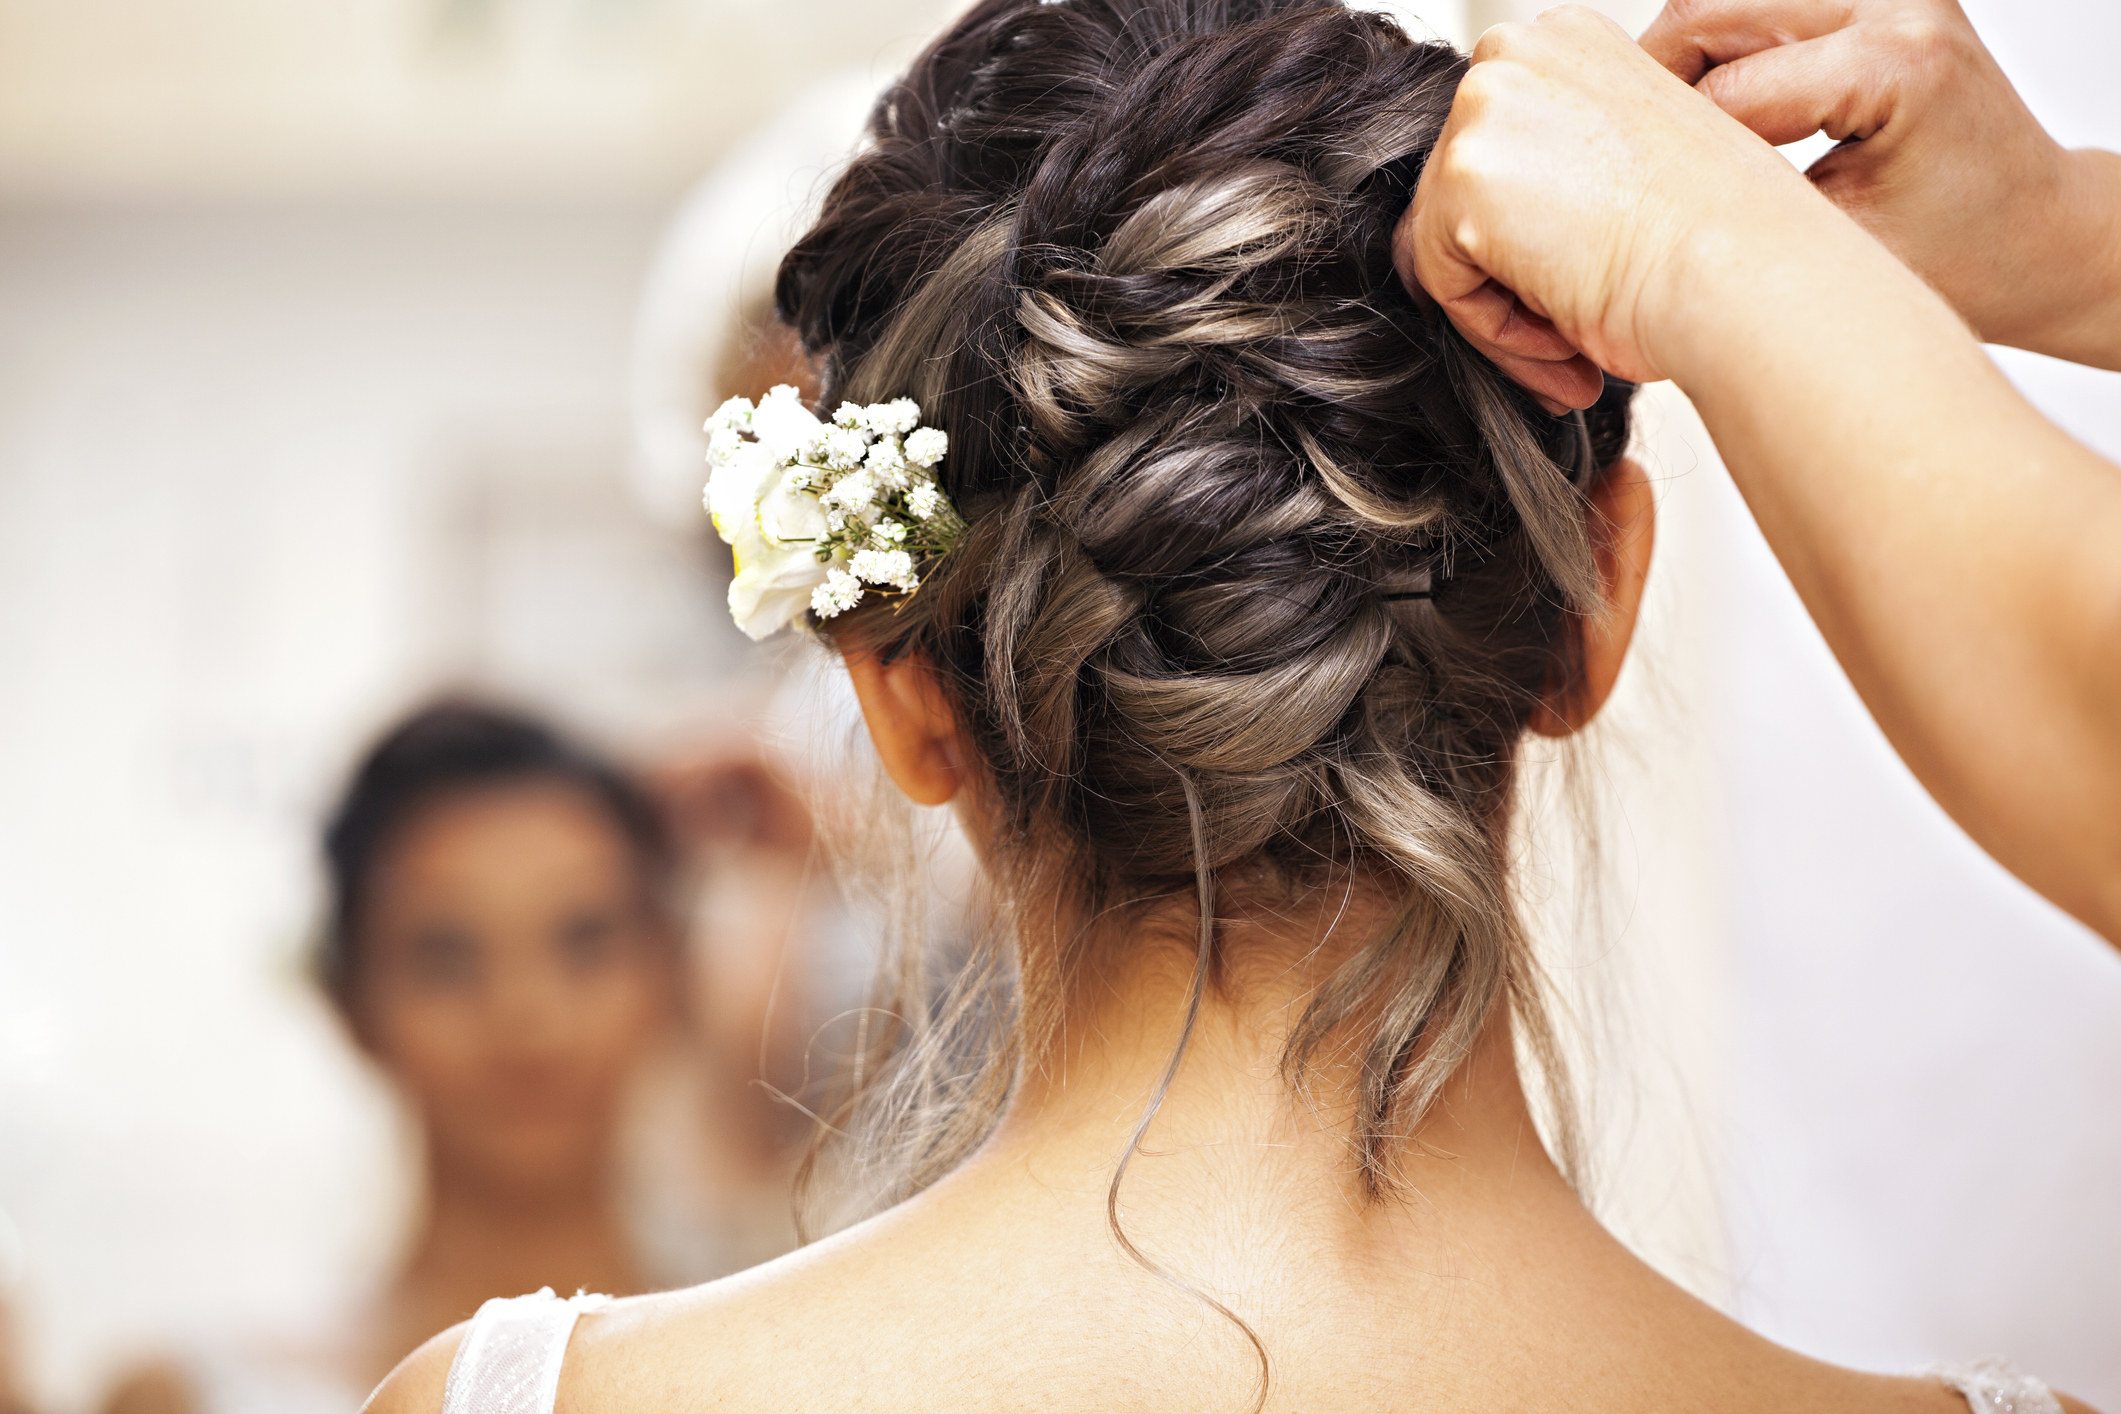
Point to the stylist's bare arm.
(1956, 549)
(1940, 159)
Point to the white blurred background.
(317, 338)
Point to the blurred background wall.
(316, 336)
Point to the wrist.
(2079, 317)
(1729, 286)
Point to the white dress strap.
(509, 1360)
(1994, 1386)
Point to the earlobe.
(911, 725)
(1623, 532)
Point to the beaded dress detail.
(1996, 1386)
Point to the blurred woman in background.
(503, 942)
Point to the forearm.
(1961, 555)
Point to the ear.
(912, 725)
(1623, 530)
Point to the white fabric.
(1996, 1386)
(509, 1362)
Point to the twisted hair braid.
(1267, 569)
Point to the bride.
(1217, 617)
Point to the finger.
(1529, 332)
(1481, 315)
(1558, 387)
(1799, 89)
(1429, 263)
(1528, 350)
(1524, 344)
(1499, 325)
(1690, 37)
(1510, 324)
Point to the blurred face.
(512, 976)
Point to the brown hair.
(1267, 569)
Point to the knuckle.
(1484, 91)
(1919, 42)
(1463, 165)
(1501, 41)
(1571, 19)
(1480, 86)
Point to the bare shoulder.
(2073, 1406)
(416, 1386)
(709, 1346)
(158, 1388)
(737, 1343)
(852, 1316)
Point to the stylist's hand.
(1575, 187)
(1941, 160)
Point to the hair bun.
(1134, 256)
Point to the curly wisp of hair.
(1268, 571)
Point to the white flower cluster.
(821, 513)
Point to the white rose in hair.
(775, 529)
(733, 486)
(773, 583)
(789, 513)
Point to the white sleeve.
(509, 1361)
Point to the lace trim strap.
(509, 1361)
(1994, 1386)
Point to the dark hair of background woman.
(448, 749)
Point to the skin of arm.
(1939, 159)
(417, 1385)
(1961, 555)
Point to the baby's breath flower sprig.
(821, 514)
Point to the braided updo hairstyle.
(1267, 569)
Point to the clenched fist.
(1576, 196)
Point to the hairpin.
(1426, 591)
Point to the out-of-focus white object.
(1631, 15)
(716, 264)
(10, 1253)
(452, 101)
